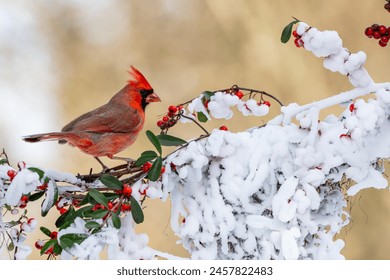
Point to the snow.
(271, 192)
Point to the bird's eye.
(146, 92)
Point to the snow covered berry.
(266, 103)
(21, 165)
(39, 244)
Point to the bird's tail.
(60, 136)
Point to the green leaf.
(100, 213)
(11, 246)
(202, 117)
(169, 140)
(111, 182)
(208, 94)
(87, 199)
(146, 156)
(91, 224)
(66, 225)
(3, 161)
(153, 139)
(69, 215)
(80, 212)
(286, 33)
(155, 170)
(98, 197)
(116, 221)
(136, 211)
(46, 231)
(50, 199)
(47, 245)
(111, 196)
(36, 196)
(38, 171)
(68, 240)
(57, 249)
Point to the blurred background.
(59, 59)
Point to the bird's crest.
(138, 80)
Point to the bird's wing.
(115, 118)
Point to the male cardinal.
(111, 128)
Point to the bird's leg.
(129, 161)
(105, 168)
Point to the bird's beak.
(152, 98)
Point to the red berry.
(173, 166)
(43, 187)
(162, 170)
(376, 35)
(39, 244)
(352, 107)
(298, 42)
(385, 39)
(21, 165)
(53, 235)
(172, 109)
(223, 128)
(110, 205)
(24, 198)
(63, 210)
(125, 207)
(295, 34)
(49, 251)
(368, 32)
(239, 94)
(22, 206)
(345, 135)
(266, 103)
(160, 123)
(127, 190)
(143, 192)
(382, 29)
(387, 6)
(206, 104)
(165, 119)
(375, 27)
(30, 220)
(171, 115)
(11, 174)
(382, 44)
(146, 167)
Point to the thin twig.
(197, 123)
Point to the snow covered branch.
(276, 191)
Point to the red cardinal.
(111, 128)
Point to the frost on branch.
(278, 191)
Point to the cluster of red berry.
(171, 118)
(40, 243)
(297, 41)
(378, 32)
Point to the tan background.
(186, 46)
